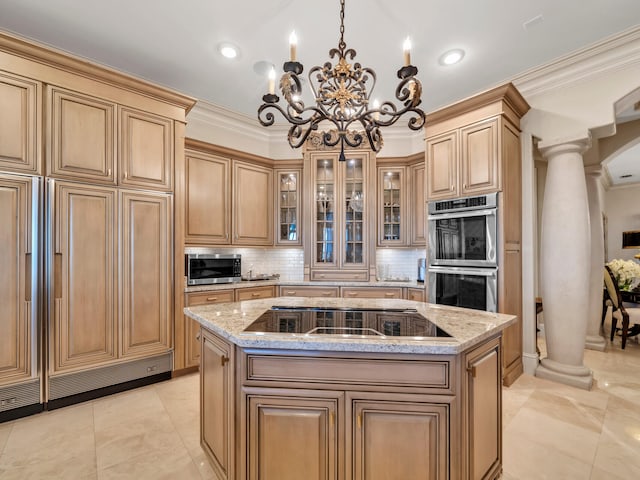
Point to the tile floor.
(551, 431)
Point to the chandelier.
(341, 98)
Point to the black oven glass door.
(463, 238)
(204, 270)
(475, 288)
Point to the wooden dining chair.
(629, 315)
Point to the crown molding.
(613, 53)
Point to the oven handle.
(467, 213)
(480, 272)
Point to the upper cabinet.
(86, 144)
(392, 207)
(288, 212)
(231, 202)
(341, 202)
(20, 120)
(252, 204)
(418, 210)
(464, 161)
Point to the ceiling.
(175, 44)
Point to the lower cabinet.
(397, 437)
(416, 294)
(280, 422)
(286, 415)
(217, 404)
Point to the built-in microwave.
(212, 268)
(463, 231)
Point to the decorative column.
(565, 265)
(595, 340)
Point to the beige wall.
(622, 208)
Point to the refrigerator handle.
(27, 277)
(57, 275)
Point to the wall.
(622, 208)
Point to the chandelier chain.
(342, 45)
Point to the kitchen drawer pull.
(359, 420)
(389, 294)
(291, 292)
(327, 294)
(256, 294)
(224, 360)
(212, 299)
(57, 275)
(352, 294)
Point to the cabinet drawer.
(371, 292)
(254, 292)
(351, 371)
(213, 296)
(416, 294)
(309, 291)
(358, 276)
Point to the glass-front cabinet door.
(342, 205)
(392, 207)
(288, 217)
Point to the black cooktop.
(345, 322)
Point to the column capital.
(577, 145)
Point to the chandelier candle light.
(342, 98)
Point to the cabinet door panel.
(82, 139)
(217, 404)
(146, 267)
(479, 157)
(418, 206)
(15, 291)
(442, 169)
(146, 150)
(208, 200)
(252, 204)
(398, 440)
(19, 124)
(280, 425)
(392, 207)
(83, 264)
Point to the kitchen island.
(350, 389)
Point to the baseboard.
(184, 371)
(20, 412)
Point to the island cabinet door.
(397, 437)
(217, 432)
(484, 410)
(293, 435)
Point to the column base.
(595, 342)
(580, 377)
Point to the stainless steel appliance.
(463, 231)
(422, 269)
(467, 287)
(211, 268)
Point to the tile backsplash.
(289, 262)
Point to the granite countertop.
(467, 327)
(302, 283)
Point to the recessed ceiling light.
(228, 50)
(451, 57)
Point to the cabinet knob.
(198, 336)
(451, 188)
(464, 185)
(108, 172)
(472, 371)
(224, 360)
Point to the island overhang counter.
(291, 404)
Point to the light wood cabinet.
(288, 196)
(281, 421)
(145, 269)
(252, 204)
(252, 293)
(146, 150)
(18, 251)
(84, 263)
(393, 211)
(418, 207)
(340, 244)
(416, 294)
(82, 137)
(371, 292)
(483, 419)
(192, 328)
(300, 291)
(20, 124)
(208, 199)
(464, 162)
(217, 404)
(397, 436)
